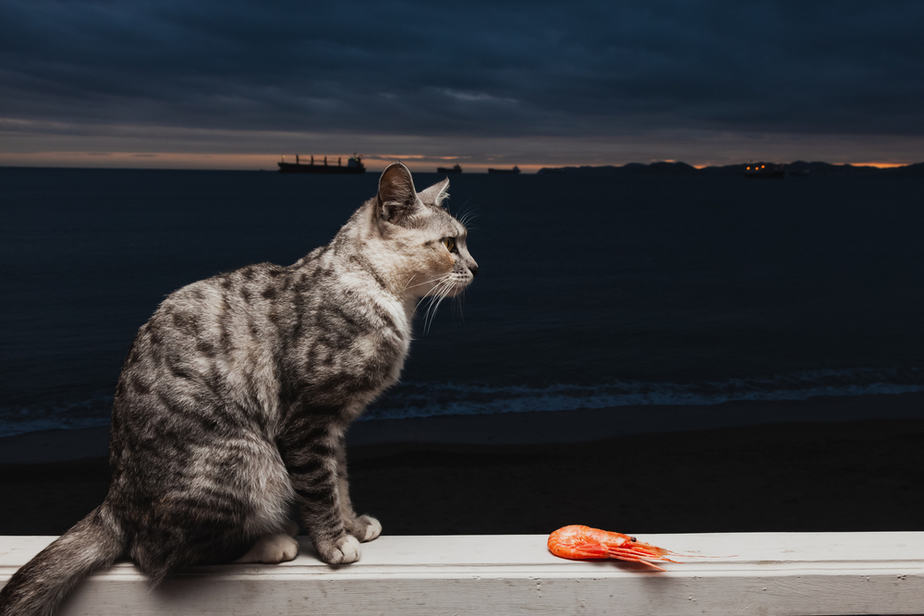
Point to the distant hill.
(798, 168)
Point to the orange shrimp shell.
(578, 542)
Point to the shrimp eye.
(450, 243)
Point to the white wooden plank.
(768, 573)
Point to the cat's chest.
(386, 345)
(359, 346)
(384, 349)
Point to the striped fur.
(230, 412)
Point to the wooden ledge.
(747, 573)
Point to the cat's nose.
(473, 268)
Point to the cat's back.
(223, 316)
(211, 344)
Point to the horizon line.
(416, 167)
(415, 162)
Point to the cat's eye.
(450, 243)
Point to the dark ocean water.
(592, 292)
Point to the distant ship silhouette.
(457, 168)
(513, 171)
(354, 165)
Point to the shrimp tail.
(641, 556)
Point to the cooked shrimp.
(585, 543)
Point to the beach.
(533, 472)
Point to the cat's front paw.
(365, 528)
(342, 551)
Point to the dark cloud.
(467, 69)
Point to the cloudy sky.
(224, 84)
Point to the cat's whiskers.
(466, 217)
(448, 291)
(432, 295)
(460, 303)
(429, 295)
(445, 288)
(419, 284)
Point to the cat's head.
(428, 244)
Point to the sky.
(225, 84)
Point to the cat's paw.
(342, 551)
(365, 528)
(271, 549)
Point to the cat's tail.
(41, 584)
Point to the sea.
(593, 292)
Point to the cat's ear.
(435, 194)
(397, 198)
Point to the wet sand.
(492, 474)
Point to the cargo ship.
(513, 171)
(454, 169)
(354, 165)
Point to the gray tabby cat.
(230, 412)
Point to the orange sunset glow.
(259, 161)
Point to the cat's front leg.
(312, 467)
(363, 527)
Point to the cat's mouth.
(460, 285)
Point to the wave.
(426, 399)
(429, 399)
(89, 412)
